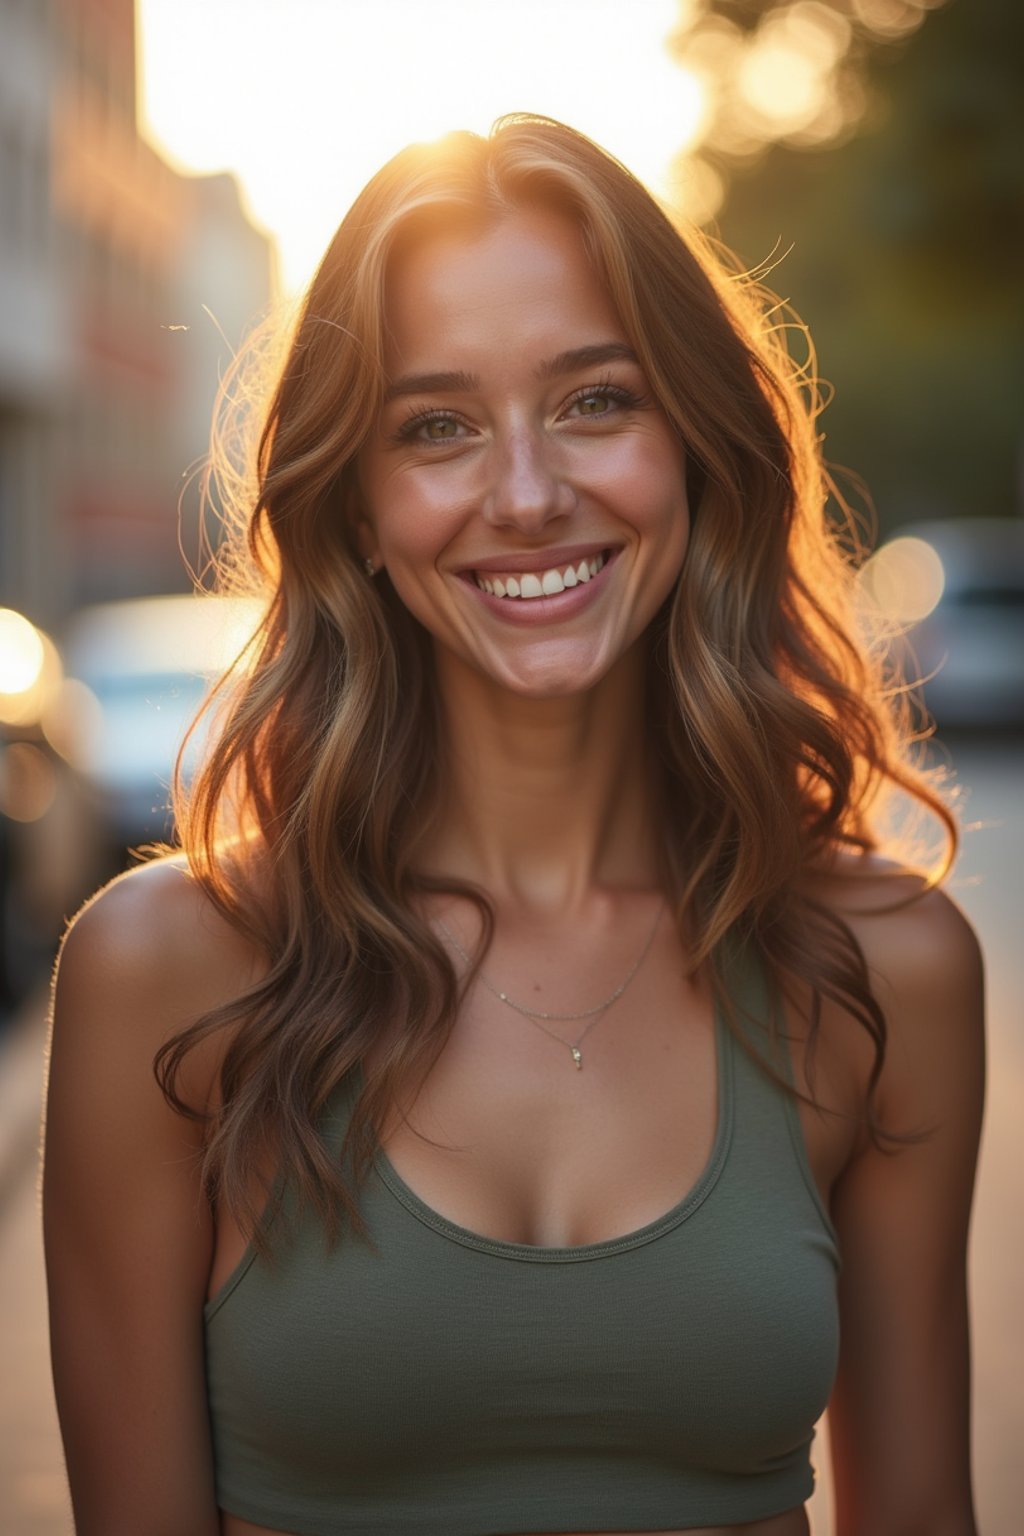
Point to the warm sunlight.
(305, 101)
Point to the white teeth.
(543, 583)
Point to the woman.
(535, 1022)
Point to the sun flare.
(305, 101)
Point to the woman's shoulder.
(148, 955)
(909, 929)
(158, 922)
(925, 969)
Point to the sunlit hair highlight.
(774, 725)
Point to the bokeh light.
(786, 73)
(30, 670)
(903, 581)
(790, 73)
(72, 722)
(21, 653)
(893, 18)
(28, 782)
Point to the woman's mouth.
(529, 585)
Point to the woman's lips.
(537, 605)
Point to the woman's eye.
(593, 405)
(601, 402)
(429, 428)
(438, 429)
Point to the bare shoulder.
(926, 971)
(147, 956)
(127, 1226)
(157, 918)
(898, 1417)
(911, 933)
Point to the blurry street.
(988, 884)
(33, 1492)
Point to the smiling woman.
(535, 1021)
(541, 464)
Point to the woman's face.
(523, 488)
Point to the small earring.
(369, 567)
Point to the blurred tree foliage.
(903, 253)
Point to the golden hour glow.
(305, 102)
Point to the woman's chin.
(563, 669)
(563, 675)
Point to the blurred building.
(34, 350)
(109, 262)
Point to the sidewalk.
(33, 1489)
(22, 1041)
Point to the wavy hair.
(775, 726)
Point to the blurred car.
(973, 639)
(143, 668)
(39, 873)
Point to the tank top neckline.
(607, 1247)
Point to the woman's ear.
(360, 522)
(365, 538)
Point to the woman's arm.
(900, 1413)
(128, 1232)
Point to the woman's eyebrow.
(565, 362)
(430, 383)
(587, 357)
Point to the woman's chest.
(516, 1137)
(558, 1134)
(512, 1138)
(616, 1265)
(692, 1352)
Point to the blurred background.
(170, 172)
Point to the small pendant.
(577, 1057)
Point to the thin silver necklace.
(537, 1016)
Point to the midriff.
(792, 1523)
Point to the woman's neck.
(546, 800)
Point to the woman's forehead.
(522, 280)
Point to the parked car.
(39, 875)
(147, 665)
(970, 647)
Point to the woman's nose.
(526, 488)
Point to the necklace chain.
(537, 1016)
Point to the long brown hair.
(774, 730)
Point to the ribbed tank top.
(441, 1383)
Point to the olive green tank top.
(441, 1383)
